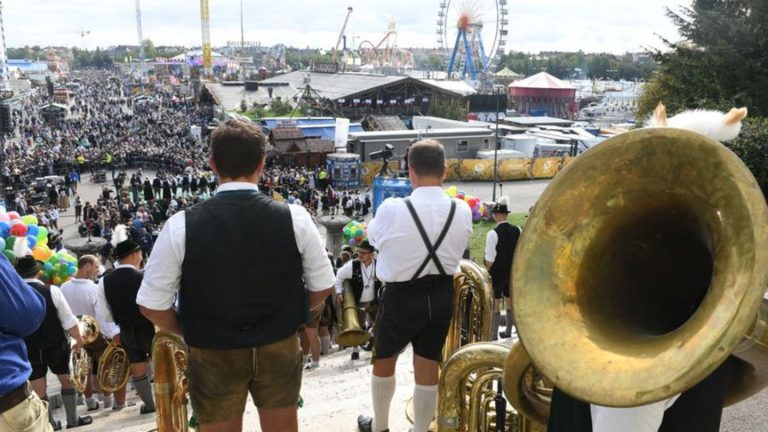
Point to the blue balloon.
(31, 241)
(32, 230)
(47, 267)
(2, 244)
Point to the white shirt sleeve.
(644, 418)
(162, 276)
(342, 274)
(67, 318)
(318, 273)
(104, 315)
(491, 240)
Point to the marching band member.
(417, 304)
(361, 273)
(116, 304)
(23, 311)
(500, 244)
(48, 347)
(239, 263)
(81, 293)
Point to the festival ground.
(336, 393)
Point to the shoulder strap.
(431, 249)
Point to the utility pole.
(3, 54)
(141, 41)
(242, 30)
(496, 147)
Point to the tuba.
(169, 360)
(114, 369)
(352, 333)
(641, 269)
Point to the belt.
(15, 397)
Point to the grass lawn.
(477, 239)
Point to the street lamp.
(496, 146)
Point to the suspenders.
(431, 249)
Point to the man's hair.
(427, 158)
(237, 148)
(86, 259)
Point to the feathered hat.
(502, 206)
(123, 243)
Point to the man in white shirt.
(421, 240)
(243, 268)
(81, 293)
(48, 347)
(361, 274)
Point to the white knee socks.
(382, 389)
(424, 404)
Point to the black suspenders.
(431, 249)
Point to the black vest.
(120, 288)
(357, 282)
(505, 251)
(50, 334)
(241, 284)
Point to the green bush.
(752, 147)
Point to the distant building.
(459, 143)
(290, 146)
(543, 95)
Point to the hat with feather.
(502, 206)
(123, 243)
(26, 265)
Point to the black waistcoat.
(505, 251)
(50, 334)
(120, 289)
(357, 282)
(241, 282)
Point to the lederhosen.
(48, 346)
(136, 332)
(418, 311)
(357, 283)
(501, 269)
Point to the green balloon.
(42, 233)
(10, 255)
(9, 242)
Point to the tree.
(150, 52)
(721, 62)
(752, 147)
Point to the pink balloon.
(4, 217)
(13, 215)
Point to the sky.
(615, 26)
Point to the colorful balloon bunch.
(479, 210)
(354, 233)
(58, 268)
(15, 228)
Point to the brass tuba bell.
(352, 333)
(169, 360)
(642, 268)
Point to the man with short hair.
(239, 264)
(417, 304)
(48, 347)
(81, 293)
(500, 244)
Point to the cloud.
(589, 25)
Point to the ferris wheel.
(472, 35)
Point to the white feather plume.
(713, 124)
(119, 235)
(21, 247)
(504, 200)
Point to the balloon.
(2, 209)
(42, 233)
(4, 217)
(351, 242)
(13, 215)
(9, 242)
(71, 270)
(10, 255)
(42, 241)
(29, 219)
(19, 230)
(33, 230)
(31, 241)
(452, 191)
(5, 229)
(42, 253)
(56, 280)
(2, 243)
(47, 267)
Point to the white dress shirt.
(103, 312)
(82, 296)
(644, 418)
(401, 250)
(67, 318)
(369, 280)
(162, 276)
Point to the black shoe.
(365, 424)
(504, 335)
(355, 356)
(81, 421)
(145, 410)
(368, 346)
(56, 426)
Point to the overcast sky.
(563, 25)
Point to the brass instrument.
(81, 361)
(640, 270)
(352, 333)
(470, 323)
(114, 369)
(169, 361)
